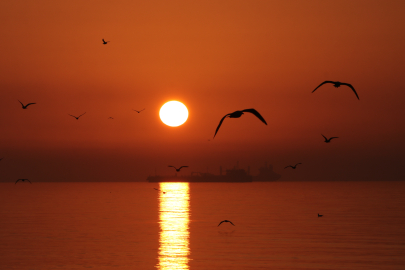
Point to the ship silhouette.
(233, 175)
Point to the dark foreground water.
(134, 226)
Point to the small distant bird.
(25, 106)
(108, 117)
(238, 114)
(320, 215)
(225, 221)
(294, 167)
(177, 170)
(22, 180)
(138, 111)
(105, 42)
(77, 117)
(328, 140)
(338, 84)
(160, 190)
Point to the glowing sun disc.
(173, 113)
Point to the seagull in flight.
(138, 111)
(328, 140)
(25, 106)
(22, 180)
(294, 167)
(320, 215)
(338, 84)
(225, 221)
(105, 42)
(177, 170)
(237, 114)
(160, 190)
(77, 117)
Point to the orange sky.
(215, 57)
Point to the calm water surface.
(134, 226)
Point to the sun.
(173, 113)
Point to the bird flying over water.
(160, 190)
(177, 170)
(25, 106)
(237, 114)
(138, 111)
(105, 42)
(225, 221)
(338, 84)
(77, 117)
(328, 140)
(294, 167)
(22, 180)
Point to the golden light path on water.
(174, 221)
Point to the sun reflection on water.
(174, 232)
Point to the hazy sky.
(215, 57)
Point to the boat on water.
(231, 175)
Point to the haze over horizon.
(216, 57)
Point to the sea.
(141, 225)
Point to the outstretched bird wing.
(288, 166)
(220, 123)
(348, 84)
(323, 84)
(17, 180)
(297, 164)
(231, 223)
(324, 137)
(73, 116)
(29, 104)
(255, 113)
(28, 181)
(221, 222)
(333, 138)
(183, 167)
(81, 114)
(21, 103)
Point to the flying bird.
(225, 221)
(320, 215)
(25, 106)
(105, 42)
(238, 114)
(77, 117)
(328, 140)
(108, 117)
(22, 180)
(338, 84)
(294, 167)
(160, 190)
(177, 170)
(138, 111)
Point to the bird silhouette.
(77, 117)
(22, 180)
(105, 42)
(138, 111)
(338, 84)
(328, 140)
(294, 167)
(160, 190)
(238, 114)
(320, 215)
(25, 106)
(177, 170)
(108, 117)
(225, 221)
